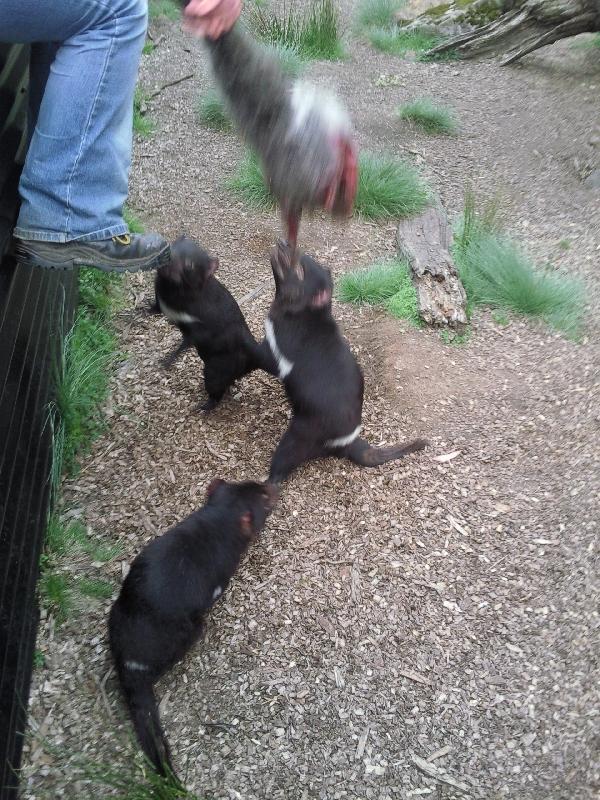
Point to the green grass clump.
(454, 338)
(134, 783)
(57, 595)
(211, 112)
(376, 14)
(388, 188)
(89, 352)
(313, 33)
(62, 536)
(141, 124)
(148, 48)
(39, 659)
(96, 588)
(249, 185)
(496, 273)
(429, 116)
(387, 284)
(163, 8)
(398, 42)
(135, 224)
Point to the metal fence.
(34, 305)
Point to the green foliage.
(376, 14)
(134, 223)
(249, 185)
(290, 58)
(211, 112)
(564, 244)
(148, 48)
(57, 595)
(313, 33)
(39, 659)
(429, 116)
(500, 318)
(388, 188)
(387, 283)
(133, 783)
(449, 336)
(141, 124)
(88, 354)
(62, 536)
(496, 273)
(98, 589)
(399, 42)
(164, 8)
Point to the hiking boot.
(129, 252)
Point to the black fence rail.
(34, 305)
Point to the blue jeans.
(84, 61)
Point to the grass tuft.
(430, 117)
(96, 588)
(57, 595)
(88, 353)
(388, 284)
(249, 185)
(388, 188)
(141, 124)
(398, 42)
(376, 14)
(134, 223)
(496, 273)
(169, 9)
(211, 112)
(62, 536)
(136, 783)
(148, 48)
(313, 33)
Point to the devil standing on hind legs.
(322, 378)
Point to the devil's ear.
(213, 486)
(246, 524)
(213, 266)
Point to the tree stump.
(425, 241)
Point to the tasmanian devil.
(303, 136)
(322, 379)
(208, 316)
(172, 583)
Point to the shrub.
(388, 187)
(429, 116)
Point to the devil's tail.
(143, 709)
(361, 452)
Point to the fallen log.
(527, 27)
(425, 242)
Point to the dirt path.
(417, 608)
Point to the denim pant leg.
(74, 181)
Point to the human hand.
(211, 18)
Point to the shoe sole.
(24, 256)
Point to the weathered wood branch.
(425, 242)
(526, 28)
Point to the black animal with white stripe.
(322, 378)
(170, 587)
(208, 316)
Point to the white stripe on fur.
(176, 316)
(344, 441)
(284, 364)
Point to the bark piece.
(424, 241)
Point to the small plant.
(388, 284)
(388, 188)
(399, 42)
(496, 273)
(135, 225)
(39, 659)
(62, 536)
(137, 783)
(290, 59)
(564, 245)
(57, 595)
(141, 124)
(313, 33)
(376, 13)
(98, 589)
(211, 112)
(163, 8)
(452, 337)
(148, 48)
(249, 185)
(429, 116)
(500, 318)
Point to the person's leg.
(74, 181)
